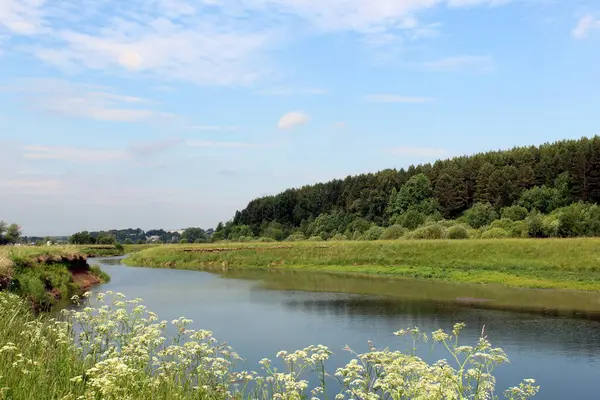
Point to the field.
(526, 263)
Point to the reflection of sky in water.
(562, 354)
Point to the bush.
(411, 219)
(393, 232)
(480, 215)
(264, 239)
(458, 232)
(514, 228)
(373, 233)
(514, 213)
(315, 239)
(535, 225)
(495, 233)
(550, 225)
(296, 237)
(338, 237)
(435, 231)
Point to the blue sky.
(175, 113)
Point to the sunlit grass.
(530, 263)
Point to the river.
(261, 313)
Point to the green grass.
(101, 250)
(527, 263)
(45, 274)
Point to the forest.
(551, 190)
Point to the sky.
(176, 113)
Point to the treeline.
(9, 234)
(139, 236)
(542, 185)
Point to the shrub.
(264, 239)
(435, 231)
(393, 232)
(373, 233)
(550, 225)
(514, 213)
(514, 228)
(480, 215)
(338, 237)
(411, 219)
(458, 232)
(296, 237)
(315, 239)
(535, 225)
(495, 233)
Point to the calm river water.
(259, 314)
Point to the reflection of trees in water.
(575, 336)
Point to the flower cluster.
(123, 351)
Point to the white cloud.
(21, 17)
(585, 25)
(394, 98)
(73, 154)
(415, 151)
(85, 101)
(462, 62)
(292, 119)
(207, 42)
(207, 143)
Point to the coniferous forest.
(550, 190)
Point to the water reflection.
(260, 313)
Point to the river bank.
(47, 275)
(524, 263)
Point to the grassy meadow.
(525, 263)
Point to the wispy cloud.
(73, 154)
(206, 42)
(79, 100)
(21, 17)
(585, 25)
(30, 185)
(415, 151)
(462, 63)
(147, 148)
(293, 119)
(394, 98)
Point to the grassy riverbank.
(527, 263)
(46, 275)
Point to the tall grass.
(44, 274)
(120, 350)
(530, 263)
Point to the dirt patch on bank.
(85, 279)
